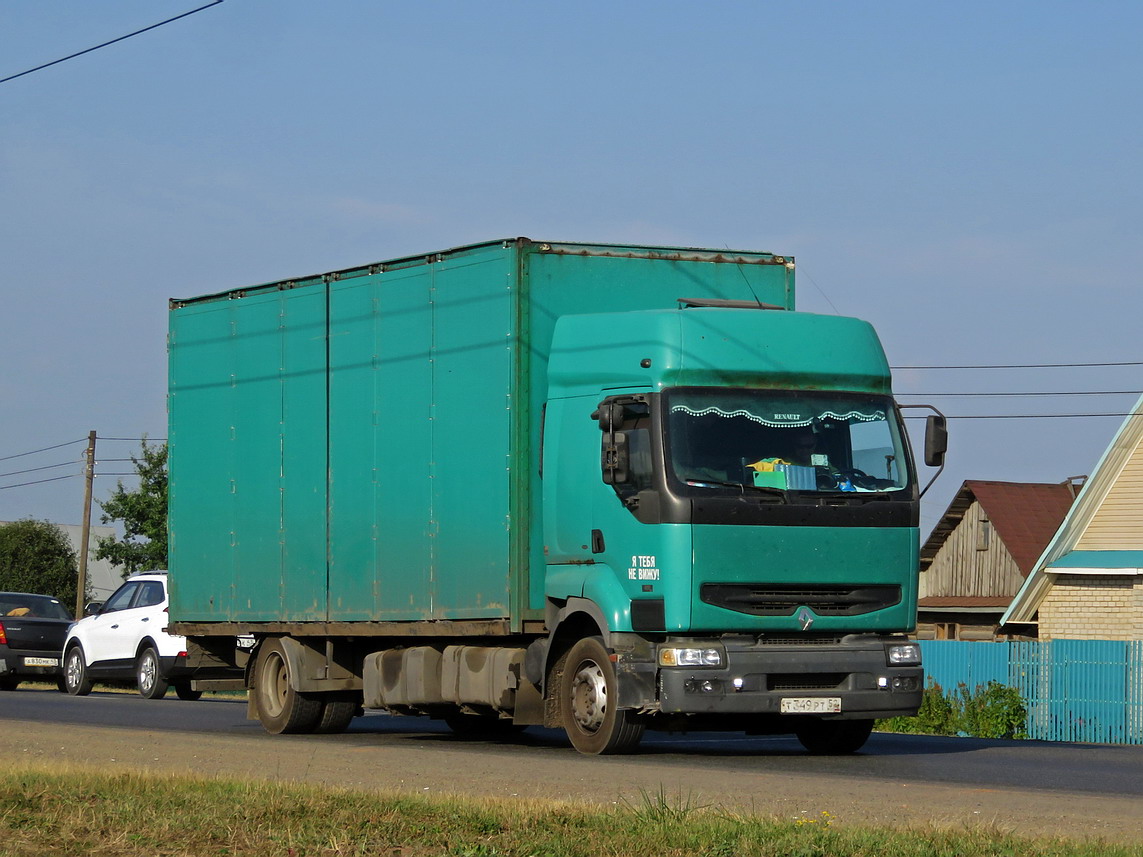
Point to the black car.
(32, 633)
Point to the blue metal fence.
(1075, 690)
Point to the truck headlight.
(678, 656)
(904, 655)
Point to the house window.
(983, 534)
(946, 630)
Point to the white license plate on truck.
(811, 704)
(41, 662)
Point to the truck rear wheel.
(834, 737)
(588, 692)
(281, 709)
(184, 690)
(336, 715)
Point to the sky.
(966, 176)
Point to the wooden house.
(1088, 582)
(980, 553)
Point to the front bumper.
(758, 676)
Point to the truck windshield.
(767, 440)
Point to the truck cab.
(730, 497)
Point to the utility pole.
(85, 535)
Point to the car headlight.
(679, 656)
(904, 655)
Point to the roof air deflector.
(725, 304)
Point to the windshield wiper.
(741, 487)
(715, 483)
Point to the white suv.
(125, 641)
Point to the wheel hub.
(589, 696)
(147, 673)
(277, 685)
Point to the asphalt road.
(1028, 787)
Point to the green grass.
(46, 812)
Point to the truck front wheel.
(588, 693)
(834, 737)
(281, 709)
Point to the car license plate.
(41, 662)
(811, 704)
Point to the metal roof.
(1025, 516)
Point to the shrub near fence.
(1074, 690)
(991, 710)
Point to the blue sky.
(965, 176)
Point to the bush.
(36, 556)
(936, 716)
(993, 710)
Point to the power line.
(105, 44)
(1019, 416)
(803, 273)
(1027, 366)
(55, 479)
(45, 449)
(1034, 416)
(39, 481)
(83, 440)
(37, 469)
(1073, 393)
(68, 464)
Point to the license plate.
(811, 705)
(41, 662)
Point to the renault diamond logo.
(805, 618)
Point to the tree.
(36, 556)
(143, 513)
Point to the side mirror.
(613, 415)
(616, 458)
(936, 440)
(92, 607)
(609, 415)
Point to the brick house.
(1088, 583)
(980, 552)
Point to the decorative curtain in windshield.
(807, 441)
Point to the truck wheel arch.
(573, 620)
(292, 651)
(307, 666)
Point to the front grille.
(759, 599)
(805, 640)
(806, 681)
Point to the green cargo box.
(363, 445)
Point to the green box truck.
(598, 487)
